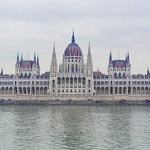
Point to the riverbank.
(75, 102)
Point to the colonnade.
(122, 90)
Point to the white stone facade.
(74, 79)
(27, 68)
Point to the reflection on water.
(74, 127)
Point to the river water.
(74, 127)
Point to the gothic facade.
(74, 78)
(27, 68)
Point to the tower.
(17, 64)
(110, 65)
(53, 74)
(128, 65)
(34, 56)
(27, 68)
(89, 71)
(110, 59)
(34, 66)
(148, 71)
(120, 68)
(18, 57)
(2, 72)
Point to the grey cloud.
(117, 25)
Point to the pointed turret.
(110, 59)
(18, 57)
(37, 60)
(34, 56)
(53, 73)
(54, 61)
(89, 69)
(89, 64)
(2, 71)
(89, 58)
(110, 65)
(73, 38)
(21, 58)
(128, 59)
(148, 71)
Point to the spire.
(21, 58)
(2, 71)
(38, 60)
(128, 59)
(110, 59)
(54, 59)
(73, 38)
(53, 67)
(34, 56)
(89, 58)
(148, 71)
(54, 53)
(89, 50)
(89, 64)
(18, 57)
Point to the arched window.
(33, 90)
(124, 75)
(76, 68)
(124, 90)
(75, 80)
(59, 80)
(111, 90)
(120, 90)
(116, 90)
(67, 80)
(68, 68)
(53, 82)
(83, 80)
(72, 68)
(71, 80)
(119, 75)
(129, 90)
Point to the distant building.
(74, 79)
(27, 68)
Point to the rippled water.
(74, 128)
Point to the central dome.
(73, 49)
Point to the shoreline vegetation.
(75, 102)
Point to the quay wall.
(76, 100)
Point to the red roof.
(119, 63)
(26, 64)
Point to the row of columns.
(23, 90)
(122, 90)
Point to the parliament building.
(74, 79)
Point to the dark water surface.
(74, 127)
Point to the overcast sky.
(119, 26)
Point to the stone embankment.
(74, 102)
